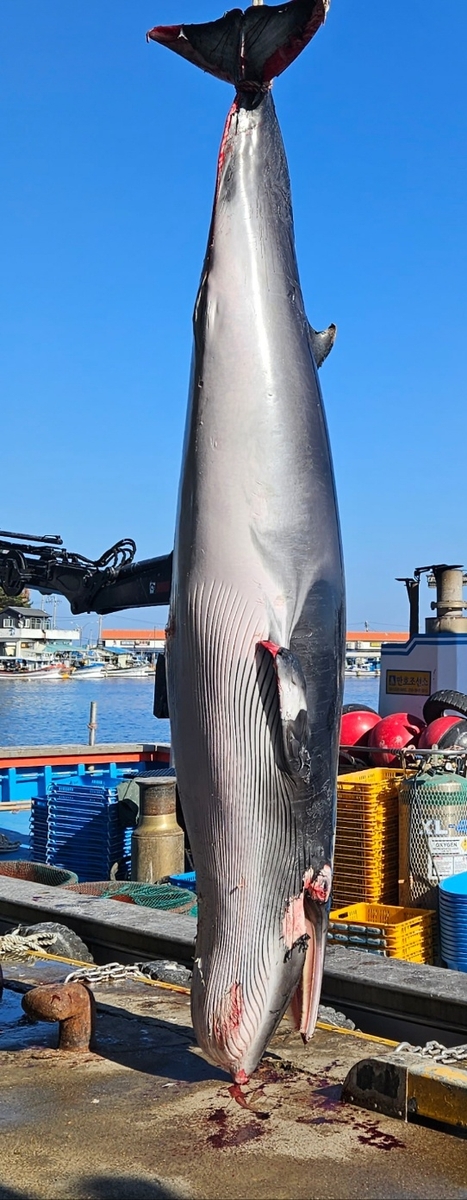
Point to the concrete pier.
(147, 1118)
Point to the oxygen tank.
(432, 835)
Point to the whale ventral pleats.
(247, 48)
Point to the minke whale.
(255, 638)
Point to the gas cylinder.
(432, 834)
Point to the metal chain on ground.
(111, 972)
(435, 1051)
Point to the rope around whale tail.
(247, 48)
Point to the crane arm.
(105, 585)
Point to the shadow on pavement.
(155, 1047)
(106, 1187)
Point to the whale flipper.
(291, 686)
(322, 343)
(305, 1002)
(161, 702)
(248, 48)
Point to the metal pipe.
(413, 593)
(50, 539)
(449, 604)
(92, 723)
(449, 600)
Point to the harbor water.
(56, 712)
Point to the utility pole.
(99, 631)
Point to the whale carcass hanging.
(255, 640)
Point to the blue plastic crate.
(84, 833)
(186, 880)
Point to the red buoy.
(355, 727)
(432, 732)
(396, 731)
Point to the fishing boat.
(90, 670)
(137, 671)
(30, 669)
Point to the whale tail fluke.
(248, 48)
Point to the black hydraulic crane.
(105, 585)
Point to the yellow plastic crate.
(365, 860)
(345, 877)
(396, 932)
(370, 783)
(393, 917)
(378, 802)
(367, 822)
(376, 817)
(361, 847)
(367, 840)
(351, 893)
(379, 846)
(366, 865)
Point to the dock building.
(144, 643)
(26, 633)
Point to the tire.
(347, 708)
(436, 704)
(67, 942)
(350, 762)
(454, 737)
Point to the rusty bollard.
(72, 1005)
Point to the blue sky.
(107, 162)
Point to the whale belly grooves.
(245, 837)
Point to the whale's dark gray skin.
(255, 640)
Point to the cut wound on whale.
(229, 1014)
(293, 925)
(318, 887)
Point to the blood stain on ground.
(219, 1115)
(372, 1135)
(224, 1140)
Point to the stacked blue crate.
(84, 831)
(38, 829)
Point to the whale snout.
(234, 1022)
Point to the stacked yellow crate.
(367, 844)
(392, 931)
